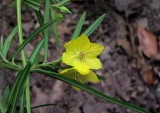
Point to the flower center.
(82, 55)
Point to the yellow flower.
(74, 74)
(82, 54)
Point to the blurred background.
(130, 33)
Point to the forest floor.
(131, 73)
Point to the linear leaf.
(5, 95)
(1, 47)
(92, 91)
(39, 16)
(39, 46)
(16, 83)
(37, 60)
(13, 88)
(94, 25)
(22, 101)
(8, 41)
(64, 9)
(78, 28)
(3, 99)
(1, 43)
(31, 37)
(36, 51)
(46, 31)
(9, 65)
(62, 3)
(18, 86)
(32, 3)
(55, 29)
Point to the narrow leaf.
(31, 37)
(55, 29)
(32, 3)
(22, 101)
(37, 60)
(39, 46)
(46, 31)
(36, 51)
(94, 25)
(13, 88)
(92, 91)
(8, 41)
(78, 28)
(64, 9)
(19, 85)
(1, 47)
(5, 96)
(9, 65)
(40, 17)
(62, 3)
(1, 43)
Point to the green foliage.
(4, 46)
(94, 25)
(62, 2)
(8, 101)
(78, 28)
(31, 37)
(4, 99)
(34, 56)
(32, 3)
(9, 65)
(90, 90)
(46, 31)
(8, 41)
(55, 29)
(35, 4)
(64, 9)
(18, 87)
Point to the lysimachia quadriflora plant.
(80, 56)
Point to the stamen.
(82, 55)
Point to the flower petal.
(94, 63)
(94, 50)
(69, 59)
(70, 73)
(67, 71)
(91, 77)
(74, 74)
(82, 71)
(77, 45)
(81, 67)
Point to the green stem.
(20, 30)
(19, 21)
(49, 63)
(3, 57)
